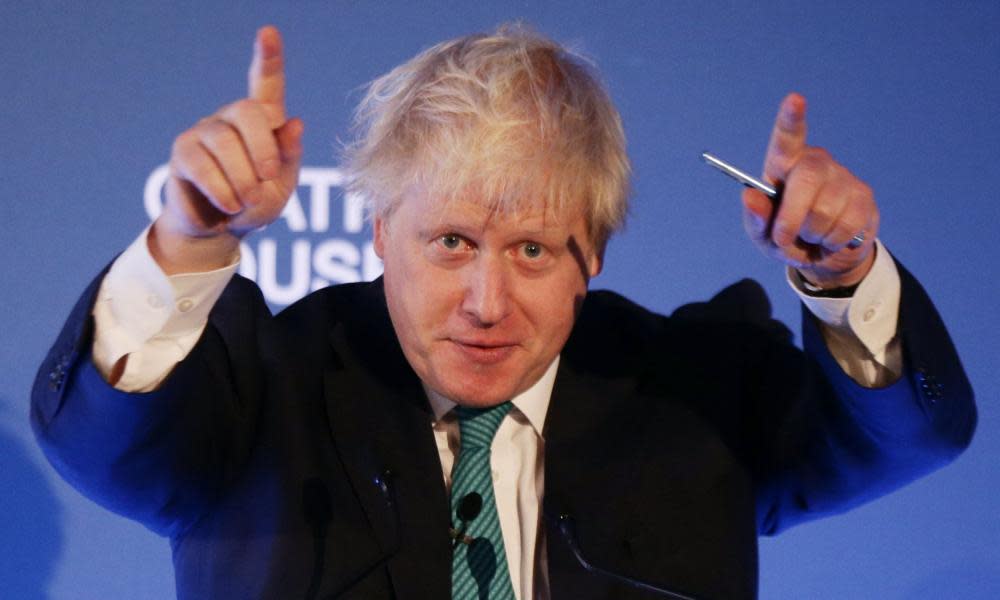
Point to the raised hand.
(824, 209)
(232, 172)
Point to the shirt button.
(496, 476)
(869, 314)
(185, 304)
(154, 301)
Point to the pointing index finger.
(788, 138)
(266, 78)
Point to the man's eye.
(532, 250)
(450, 241)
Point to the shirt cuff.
(871, 314)
(138, 302)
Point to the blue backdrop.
(906, 94)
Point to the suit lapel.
(381, 424)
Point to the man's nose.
(487, 297)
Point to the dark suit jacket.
(295, 451)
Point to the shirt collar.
(532, 402)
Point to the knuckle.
(243, 110)
(244, 188)
(820, 154)
(202, 172)
(211, 126)
(808, 166)
(810, 236)
(816, 159)
(221, 196)
(809, 179)
(781, 161)
(223, 139)
(243, 105)
(823, 213)
(184, 142)
(262, 147)
(247, 115)
(852, 225)
(784, 233)
(851, 184)
(862, 194)
(808, 173)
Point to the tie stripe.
(479, 569)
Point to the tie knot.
(479, 425)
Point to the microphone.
(468, 509)
(567, 527)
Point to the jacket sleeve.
(839, 444)
(164, 456)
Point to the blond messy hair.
(503, 118)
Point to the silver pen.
(739, 175)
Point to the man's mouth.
(484, 352)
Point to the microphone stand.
(567, 527)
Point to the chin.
(475, 385)
(477, 394)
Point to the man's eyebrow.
(441, 228)
(548, 234)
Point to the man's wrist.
(837, 285)
(177, 253)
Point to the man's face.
(482, 302)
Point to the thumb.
(758, 211)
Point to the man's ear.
(379, 241)
(596, 261)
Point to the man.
(303, 455)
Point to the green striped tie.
(478, 568)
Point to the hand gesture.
(827, 220)
(232, 172)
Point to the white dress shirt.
(155, 320)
